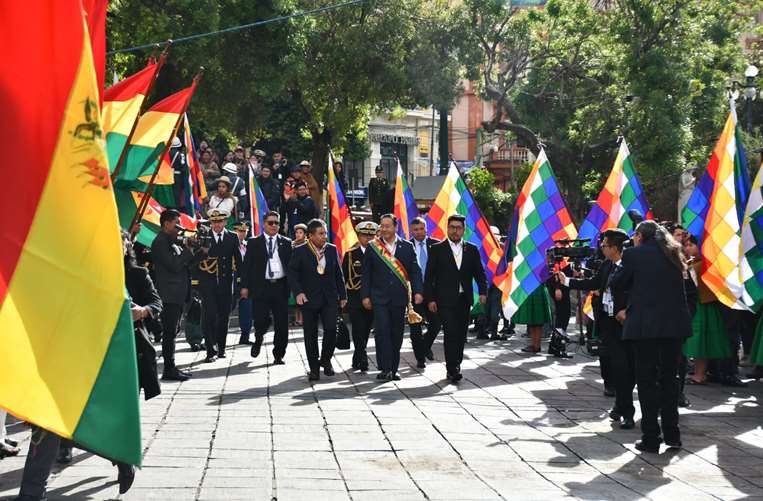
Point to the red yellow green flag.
(64, 315)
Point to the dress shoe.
(314, 376)
(628, 424)
(256, 347)
(125, 477)
(64, 455)
(185, 373)
(673, 443)
(173, 374)
(222, 355)
(195, 347)
(683, 401)
(279, 361)
(210, 359)
(456, 377)
(363, 367)
(244, 340)
(421, 364)
(497, 337)
(8, 450)
(647, 447)
(381, 375)
(12, 443)
(614, 415)
(430, 355)
(393, 376)
(733, 381)
(328, 369)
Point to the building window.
(388, 161)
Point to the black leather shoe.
(185, 373)
(430, 355)
(126, 476)
(174, 375)
(393, 376)
(614, 415)
(12, 443)
(381, 375)
(628, 424)
(314, 376)
(456, 377)
(328, 369)
(244, 340)
(256, 347)
(646, 447)
(210, 359)
(421, 364)
(279, 361)
(64, 455)
(734, 382)
(222, 355)
(673, 444)
(195, 347)
(497, 337)
(8, 450)
(683, 401)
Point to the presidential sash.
(397, 269)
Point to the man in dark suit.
(607, 304)
(422, 343)
(452, 268)
(244, 304)
(171, 266)
(656, 322)
(361, 319)
(264, 281)
(216, 284)
(315, 278)
(386, 293)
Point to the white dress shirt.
(458, 255)
(391, 247)
(218, 237)
(274, 265)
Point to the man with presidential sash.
(391, 283)
(316, 280)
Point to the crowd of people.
(659, 326)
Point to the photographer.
(172, 260)
(609, 312)
(657, 323)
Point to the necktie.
(423, 255)
(270, 256)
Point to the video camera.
(199, 238)
(575, 252)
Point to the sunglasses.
(272, 223)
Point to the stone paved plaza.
(517, 427)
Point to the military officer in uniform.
(360, 318)
(391, 282)
(216, 274)
(377, 194)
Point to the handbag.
(342, 334)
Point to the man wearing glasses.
(264, 275)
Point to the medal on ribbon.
(319, 254)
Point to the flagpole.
(152, 182)
(123, 154)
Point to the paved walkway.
(517, 427)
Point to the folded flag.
(258, 205)
(751, 267)
(621, 194)
(65, 319)
(455, 198)
(197, 186)
(540, 217)
(121, 106)
(341, 231)
(405, 206)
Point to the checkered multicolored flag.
(540, 217)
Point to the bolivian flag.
(65, 324)
(121, 107)
(155, 129)
(127, 205)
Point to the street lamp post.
(750, 93)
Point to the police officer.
(360, 318)
(377, 194)
(216, 273)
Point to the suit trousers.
(43, 449)
(171, 314)
(657, 379)
(455, 322)
(622, 365)
(562, 310)
(422, 342)
(389, 324)
(274, 301)
(327, 315)
(216, 307)
(245, 316)
(361, 320)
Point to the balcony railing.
(512, 155)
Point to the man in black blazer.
(315, 278)
(656, 322)
(264, 280)
(384, 292)
(172, 261)
(608, 303)
(422, 343)
(452, 268)
(216, 275)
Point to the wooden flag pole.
(123, 154)
(152, 182)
